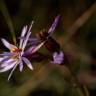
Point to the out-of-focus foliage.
(47, 79)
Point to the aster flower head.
(10, 60)
(51, 45)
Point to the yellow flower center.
(15, 50)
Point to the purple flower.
(58, 58)
(10, 60)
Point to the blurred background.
(76, 34)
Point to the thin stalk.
(7, 17)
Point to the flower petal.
(38, 47)
(8, 54)
(1, 58)
(27, 62)
(7, 44)
(16, 63)
(7, 63)
(24, 30)
(58, 58)
(5, 58)
(27, 37)
(29, 50)
(7, 67)
(22, 35)
(25, 41)
(53, 26)
(32, 41)
(21, 66)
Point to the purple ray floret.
(58, 58)
(54, 25)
